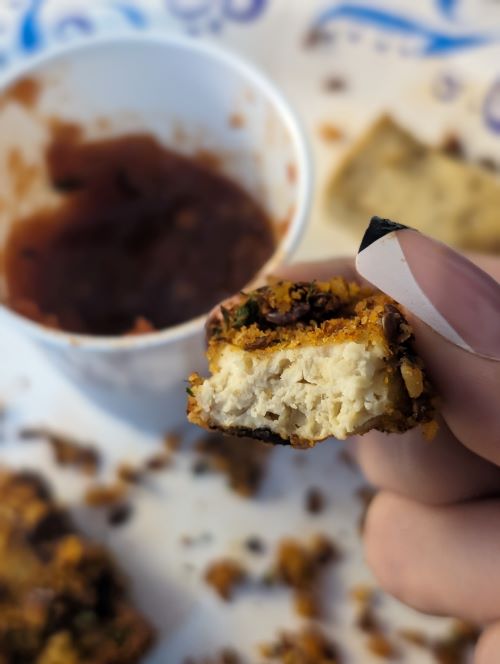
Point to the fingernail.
(435, 283)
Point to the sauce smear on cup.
(144, 238)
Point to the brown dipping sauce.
(144, 239)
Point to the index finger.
(454, 308)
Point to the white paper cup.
(187, 94)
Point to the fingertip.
(488, 646)
(382, 544)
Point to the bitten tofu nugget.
(299, 362)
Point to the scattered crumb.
(453, 146)
(237, 121)
(25, 92)
(365, 494)
(200, 467)
(102, 495)
(366, 618)
(334, 83)
(67, 452)
(209, 159)
(378, 644)
(300, 566)
(119, 514)
(227, 656)
(128, 473)
(489, 164)
(345, 458)
(362, 594)
(329, 132)
(158, 461)
(307, 647)
(172, 441)
(455, 648)
(255, 545)
(315, 501)
(316, 37)
(63, 598)
(415, 637)
(225, 576)
(291, 172)
(141, 326)
(243, 461)
(367, 621)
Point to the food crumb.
(414, 637)
(365, 494)
(104, 495)
(67, 452)
(26, 92)
(141, 326)
(334, 83)
(172, 441)
(243, 461)
(345, 458)
(237, 121)
(366, 618)
(315, 501)
(291, 171)
(227, 656)
(255, 545)
(128, 473)
(300, 566)
(329, 132)
(317, 36)
(378, 644)
(453, 146)
(158, 462)
(225, 576)
(310, 646)
(119, 514)
(455, 648)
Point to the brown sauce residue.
(25, 92)
(144, 239)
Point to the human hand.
(432, 534)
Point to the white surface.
(167, 577)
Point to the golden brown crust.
(290, 315)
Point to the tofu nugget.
(295, 363)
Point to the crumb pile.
(62, 598)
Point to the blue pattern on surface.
(131, 13)
(249, 12)
(434, 42)
(447, 7)
(30, 35)
(190, 12)
(69, 24)
(215, 12)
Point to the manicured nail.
(435, 283)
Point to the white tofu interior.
(312, 392)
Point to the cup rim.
(285, 247)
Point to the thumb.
(455, 310)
